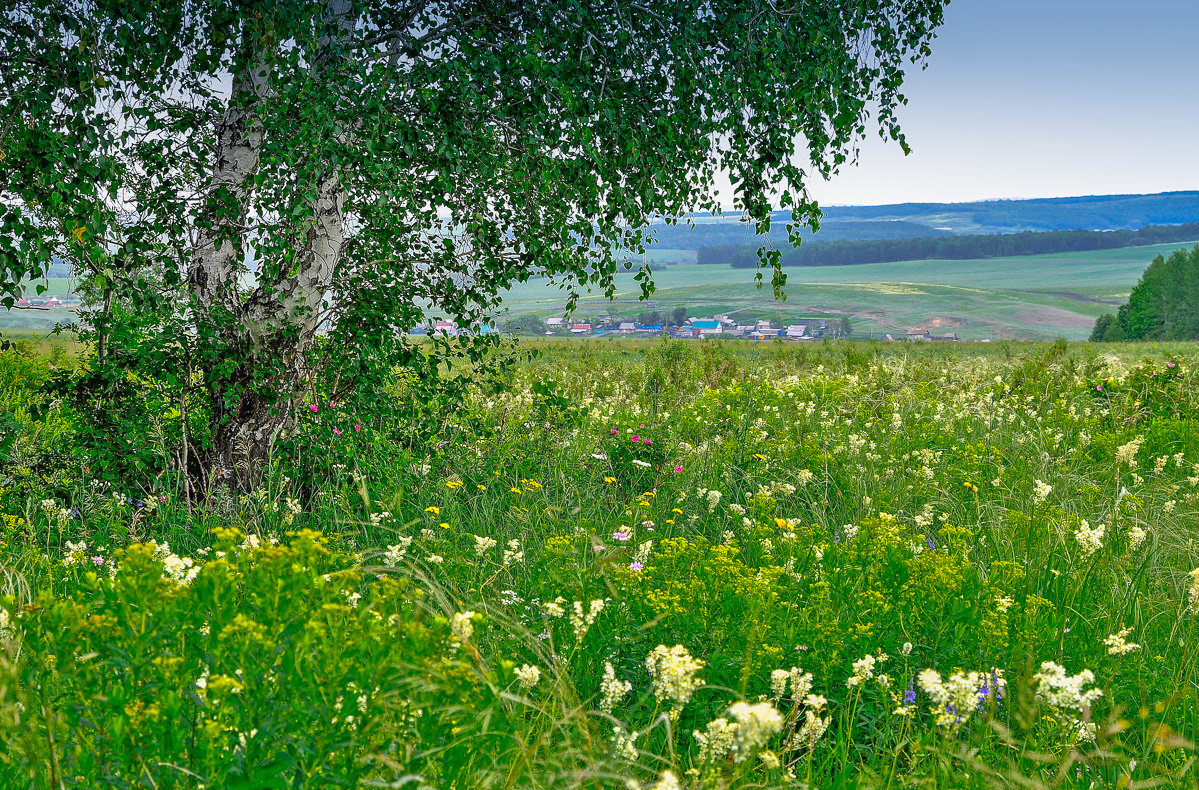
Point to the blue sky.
(1028, 98)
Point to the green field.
(1031, 297)
(649, 565)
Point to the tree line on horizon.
(1164, 305)
(845, 253)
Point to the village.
(720, 326)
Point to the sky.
(1042, 98)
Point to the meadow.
(1036, 297)
(624, 564)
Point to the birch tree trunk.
(257, 384)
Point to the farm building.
(796, 331)
(556, 321)
(705, 328)
(580, 329)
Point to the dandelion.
(527, 675)
(674, 673)
(1117, 644)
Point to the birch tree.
(273, 189)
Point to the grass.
(1028, 297)
(799, 552)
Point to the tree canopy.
(263, 192)
(1164, 305)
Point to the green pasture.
(1029, 297)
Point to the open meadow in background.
(1032, 297)
(624, 564)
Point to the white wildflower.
(527, 675)
(1117, 644)
(674, 673)
(613, 690)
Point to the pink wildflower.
(313, 407)
(635, 566)
(678, 469)
(337, 431)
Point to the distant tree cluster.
(1164, 305)
(846, 253)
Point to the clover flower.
(1117, 644)
(614, 690)
(674, 673)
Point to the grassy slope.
(1032, 297)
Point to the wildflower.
(433, 509)
(906, 649)
(801, 684)
(1065, 692)
(635, 566)
(483, 545)
(778, 682)
(435, 559)
(1193, 593)
(639, 462)
(1089, 540)
(312, 407)
(674, 673)
(863, 670)
(180, 570)
(624, 744)
(609, 479)
(1136, 536)
(668, 782)
(1126, 454)
(1041, 491)
(678, 470)
(527, 675)
(554, 608)
(755, 726)
(1117, 644)
(955, 698)
(395, 553)
(622, 535)
(613, 690)
(581, 621)
(713, 498)
(462, 627)
(717, 740)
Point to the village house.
(706, 328)
(918, 334)
(580, 329)
(555, 321)
(796, 331)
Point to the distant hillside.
(1097, 212)
(927, 220)
(716, 231)
(844, 253)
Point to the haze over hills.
(918, 220)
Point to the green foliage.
(867, 517)
(1164, 305)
